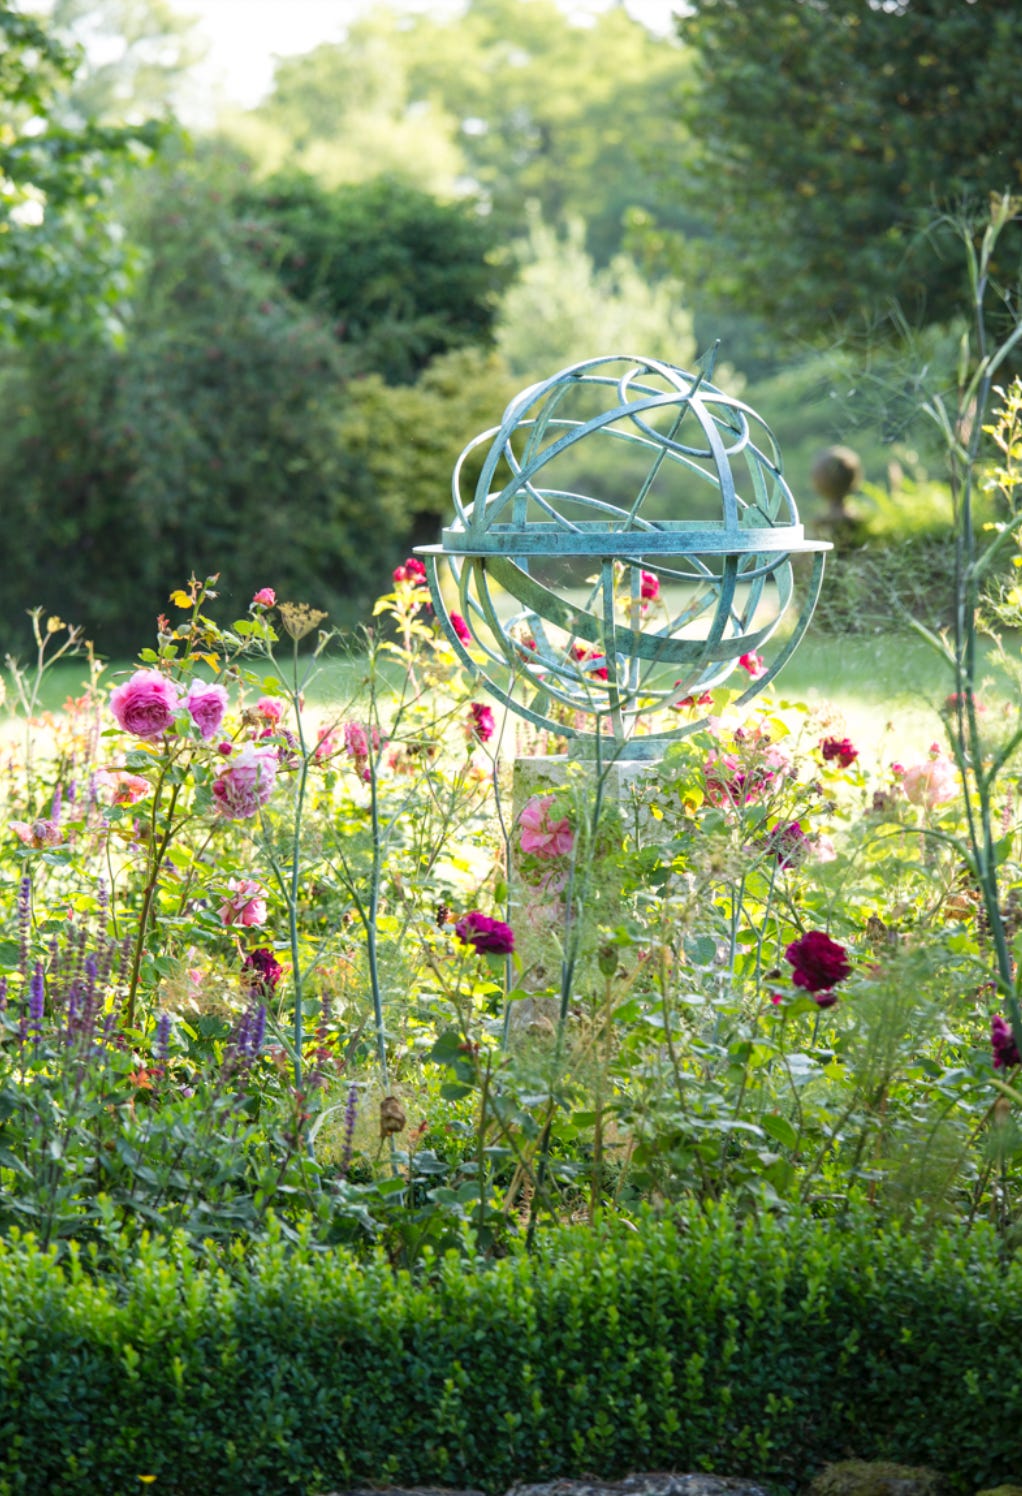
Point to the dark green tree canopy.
(833, 134)
(402, 276)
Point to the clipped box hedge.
(763, 1349)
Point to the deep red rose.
(818, 962)
(841, 749)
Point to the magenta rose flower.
(753, 663)
(1003, 1043)
(649, 586)
(481, 723)
(488, 937)
(265, 598)
(145, 704)
(247, 783)
(206, 706)
(461, 628)
(412, 571)
(818, 963)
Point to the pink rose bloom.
(206, 706)
(541, 837)
(245, 903)
(247, 783)
(461, 628)
(41, 833)
(412, 571)
(649, 586)
(265, 598)
(326, 744)
(932, 783)
(270, 708)
(145, 704)
(124, 788)
(754, 664)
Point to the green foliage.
(203, 436)
(401, 276)
(63, 262)
(516, 100)
(828, 136)
(693, 1343)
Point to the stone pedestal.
(545, 884)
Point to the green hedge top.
(761, 1348)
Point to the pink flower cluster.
(206, 706)
(1002, 1041)
(931, 783)
(247, 783)
(481, 724)
(411, 571)
(731, 780)
(357, 740)
(145, 704)
(540, 836)
(245, 903)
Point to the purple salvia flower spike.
(36, 999)
(161, 1044)
(24, 923)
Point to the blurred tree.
(562, 308)
(405, 441)
(401, 276)
(514, 100)
(208, 442)
(136, 56)
(64, 263)
(830, 135)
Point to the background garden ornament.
(623, 606)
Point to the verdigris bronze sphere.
(628, 541)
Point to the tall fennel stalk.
(964, 426)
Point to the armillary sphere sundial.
(591, 613)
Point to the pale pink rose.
(206, 706)
(145, 704)
(123, 788)
(265, 598)
(539, 835)
(247, 783)
(823, 848)
(270, 708)
(41, 833)
(931, 783)
(245, 903)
